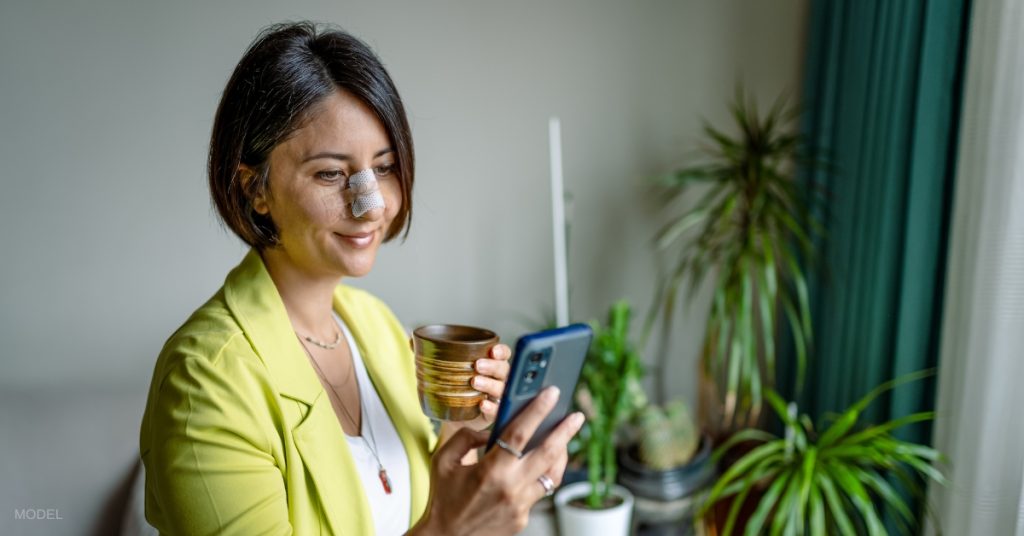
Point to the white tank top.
(391, 512)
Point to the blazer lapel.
(253, 299)
(325, 453)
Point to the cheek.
(312, 211)
(392, 193)
(330, 205)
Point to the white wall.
(105, 111)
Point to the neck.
(308, 298)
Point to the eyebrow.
(343, 156)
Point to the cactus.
(668, 437)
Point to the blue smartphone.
(552, 357)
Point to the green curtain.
(882, 101)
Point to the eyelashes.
(385, 170)
(334, 175)
(330, 176)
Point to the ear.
(259, 201)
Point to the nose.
(373, 214)
(366, 200)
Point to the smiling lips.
(357, 240)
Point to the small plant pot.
(667, 500)
(581, 521)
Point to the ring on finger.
(509, 449)
(547, 484)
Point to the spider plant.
(751, 228)
(835, 482)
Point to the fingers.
(501, 352)
(522, 428)
(488, 386)
(497, 366)
(535, 490)
(492, 374)
(557, 470)
(547, 454)
(489, 409)
(464, 441)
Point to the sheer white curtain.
(980, 422)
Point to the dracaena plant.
(837, 482)
(750, 230)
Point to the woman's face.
(317, 232)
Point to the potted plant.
(835, 482)
(608, 391)
(668, 468)
(749, 229)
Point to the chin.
(357, 267)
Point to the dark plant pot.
(667, 500)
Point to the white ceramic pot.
(576, 521)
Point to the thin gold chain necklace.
(382, 473)
(324, 345)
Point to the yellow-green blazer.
(239, 437)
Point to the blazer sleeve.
(210, 456)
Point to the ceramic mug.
(445, 357)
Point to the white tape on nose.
(365, 192)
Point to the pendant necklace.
(382, 473)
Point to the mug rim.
(486, 336)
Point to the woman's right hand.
(494, 496)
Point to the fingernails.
(576, 420)
(478, 382)
(481, 365)
(550, 394)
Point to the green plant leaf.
(859, 496)
(768, 500)
(744, 464)
(889, 385)
(785, 507)
(807, 478)
(671, 232)
(886, 492)
(882, 429)
(747, 434)
(798, 341)
(737, 503)
(927, 469)
(835, 505)
(750, 367)
(732, 387)
(912, 449)
(817, 512)
(838, 428)
(804, 301)
(791, 421)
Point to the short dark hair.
(285, 72)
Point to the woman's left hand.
(491, 374)
(490, 378)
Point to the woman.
(287, 403)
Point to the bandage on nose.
(363, 193)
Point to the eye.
(385, 170)
(332, 175)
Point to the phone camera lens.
(536, 357)
(531, 375)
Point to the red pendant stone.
(385, 481)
